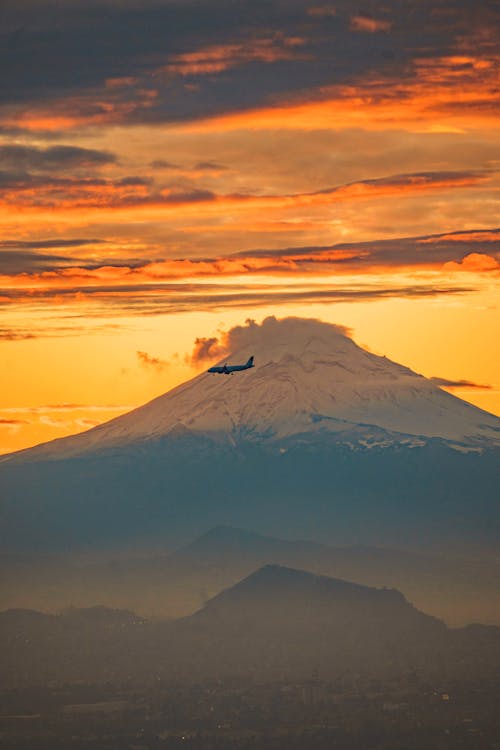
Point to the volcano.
(322, 438)
(310, 381)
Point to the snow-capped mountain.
(310, 380)
(320, 440)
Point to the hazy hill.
(276, 622)
(458, 590)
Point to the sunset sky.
(171, 168)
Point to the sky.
(170, 169)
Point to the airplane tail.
(250, 362)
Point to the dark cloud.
(107, 56)
(136, 191)
(206, 348)
(32, 189)
(49, 243)
(12, 422)
(404, 251)
(154, 299)
(446, 383)
(146, 360)
(12, 263)
(474, 250)
(20, 256)
(15, 334)
(210, 166)
(162, 164)
(18, 158)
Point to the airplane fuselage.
(229, 369)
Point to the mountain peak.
(274, 583)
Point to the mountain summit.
(310, 380)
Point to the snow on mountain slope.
(309, 378)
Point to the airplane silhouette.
(229, 369)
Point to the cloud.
(104, 301)
(147, 361)
(252, 335)
(49, 421)
(475, 263)
(51, 408)
(369, 24)
(152, 276)
(145, 66)
(21, 256)
(162, 164)
(13, 422)
(206, 348)
(13, 334)
(27, 189)
(221, 57)
(446, 383)
(135, 193)
(86, 424)
(210, 166)
(53, 159)
(322, 11)
(22, 262)
(447, 93)
(471, 236)
(49, 243)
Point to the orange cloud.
(216, 58)
(146, 360)
(488, 236)
(444, 94)
(369, 257)
(89, 108)
(475, 262)
(368, 24)
(322, 11)
(134, 196)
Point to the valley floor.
(351, 713)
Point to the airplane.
(229, 369)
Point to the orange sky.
(312, 161)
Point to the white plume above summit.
(310, 380)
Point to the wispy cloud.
(150, 362)
(369, 24)
(221, 57)
(344, 258)
(447, 383)
(52, 159)
(136, 194)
